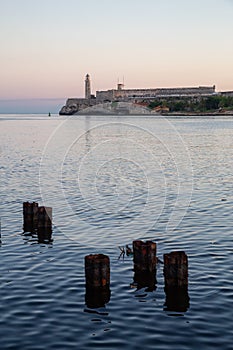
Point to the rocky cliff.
(74, 105)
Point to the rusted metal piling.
(97, 273)
(144, 256)
(176, 281)
(30, 216)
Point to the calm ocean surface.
(111, 180)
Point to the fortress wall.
(150, 93)
(105, 95)
(76, 101)
(73, 105)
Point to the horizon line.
(31, 99)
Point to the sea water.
(111, 180)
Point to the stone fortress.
(127, 101)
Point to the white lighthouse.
(87, 87)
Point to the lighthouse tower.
(87, 87)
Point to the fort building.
(134, 96)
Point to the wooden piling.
(44, 217)
(97, 270)
(38, 220)
(176, 281)
(30, 216)
(144, 255)
(176, 269)
(97, 273)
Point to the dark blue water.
(111, 180)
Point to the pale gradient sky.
(47, 46)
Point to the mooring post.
(176, 281)
(144, 257)
(44, 217)
(30, 216)
(97, 274)
(176, 269)
(97, 270)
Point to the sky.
(48, 46)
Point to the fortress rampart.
(127, 94)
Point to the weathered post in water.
(44, 227)
(144, 257)
(38, 219)
(176, 281)
(176, 269)
(44, 217)
(30, 216)
(97, 274)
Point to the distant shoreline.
(193, 114)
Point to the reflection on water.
(177, 299)
(97, 297)
(145, 279)
(40, 235)
(44, 235)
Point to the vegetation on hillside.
(197, 105)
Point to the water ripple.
(43, 285)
